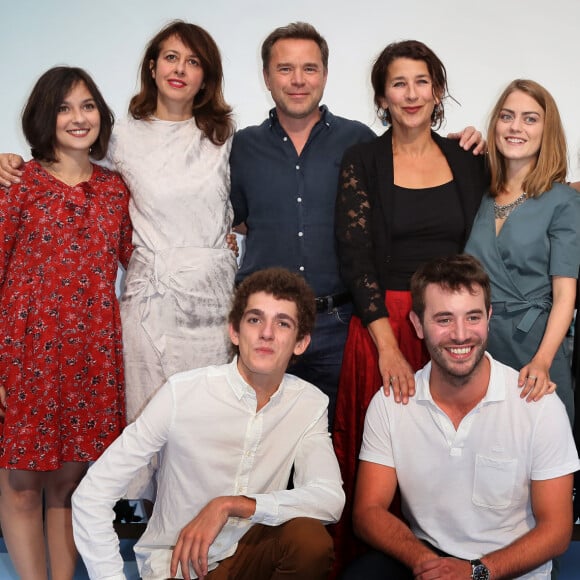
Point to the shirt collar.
(326, 117)
(239, 385)
(495, 388)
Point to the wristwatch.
(479, 570)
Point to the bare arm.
(375, 489)
(196, 537)
(10, 168)
(564, 293)
(552, 506)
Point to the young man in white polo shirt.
(229, 436)
(485, 477)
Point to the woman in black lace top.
(403, 198)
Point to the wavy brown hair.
(212, 114)
(414, 50)
(552, 161)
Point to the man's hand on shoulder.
(196, 537)
(470, 137)
(447, 568)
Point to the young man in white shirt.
(485, 477)
(229, 436)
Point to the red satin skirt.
(359, 381)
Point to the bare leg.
(58, 489)
(21, 517)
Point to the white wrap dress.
(180, 279)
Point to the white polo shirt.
(468, 491)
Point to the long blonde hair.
(552, 161)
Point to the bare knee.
(20, 490)
(22, 500)
(307, 548)
(61, 484)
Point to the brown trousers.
(300, 549)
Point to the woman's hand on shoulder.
(397, 374)
(10, 171)
(470, 137)
(534, 380)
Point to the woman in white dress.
(173, 154)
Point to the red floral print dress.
(61, 357)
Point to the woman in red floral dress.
(64, 228)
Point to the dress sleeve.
(353, 227)
(564, 234)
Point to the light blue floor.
(7, 571)
(570, 563)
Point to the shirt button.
(299, 200)
(300, 234)
(301, 268)
(285, 139)
(298, 167)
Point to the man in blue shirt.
(284, 177)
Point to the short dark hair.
(211, 112)
(414, 50)
(283, 285)
(452, 273)
(41, 110)
(294, 30)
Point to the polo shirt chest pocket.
(494, 482)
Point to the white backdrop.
(484, 45)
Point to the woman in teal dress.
(527, 236)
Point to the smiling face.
(519, 128)
(455, 329)
(78, 122)
(296, 78)
(178, 75)
(267, 338)
(409, 93)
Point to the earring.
(384, 117)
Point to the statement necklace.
(501, 212)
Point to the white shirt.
(213, 443)
(467, 491)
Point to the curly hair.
(283, 285)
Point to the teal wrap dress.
(539, 239)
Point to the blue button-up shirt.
(287, 200)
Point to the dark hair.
(283, 285)
(212, 114)
(41, 110)
(552, 162)
(414, 50)
(294, 30)
(452, 273)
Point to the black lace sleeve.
(355, 245)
